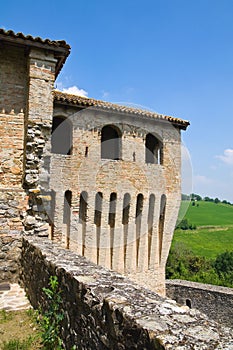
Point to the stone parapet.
(104, 310)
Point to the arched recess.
(51, 213)
(110, 142)
(97, 219)
(112, 222)
(150, 223)
(62, 136)
(67, 215)
(83, 217)
(125, 221)
(161, 222)
(138, 221)
(153, 150)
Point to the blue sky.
(172, 56)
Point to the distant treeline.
(196, 197)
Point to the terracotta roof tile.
(90, 102)
(54, 43)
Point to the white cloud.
(73, 90)
(227, 158)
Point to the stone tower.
(102, 179)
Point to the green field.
(214, 233)
(208, 213)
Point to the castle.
(101, 179)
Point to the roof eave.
(61, 98)
(60, 52)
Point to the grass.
(206, 242)
(214, 233)
(208, 213)
(19, 331)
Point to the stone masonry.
(105, 310)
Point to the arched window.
(110, 142)
(153, 150)
(61, 136)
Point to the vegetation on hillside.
(202, 247)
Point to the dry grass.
(18, 330)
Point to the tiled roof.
(53, 43)
(90, 102)
(60, 47)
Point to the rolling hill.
(214, 233)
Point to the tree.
(216, 201)
(224, 263)
(196, 197)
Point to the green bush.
(184, 264)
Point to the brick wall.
(13, 78)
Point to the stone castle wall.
(10, 252)
(104, 310)
(129, 247)
(215, 301)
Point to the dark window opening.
(150, 223)
(86, 152)
(112, 210)
(83, 218)
(154, 150)
(139, 207)
(188, 303)
(67, 215)
(161, 222)
(51, 213)
(61, 138)
(126, 207)
(110, 143)
(98, 208)
(83, 207)
(67, 206)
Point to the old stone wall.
(215, 301)
(104, 310)
(10, 252)
(13, 200)
(41, 74)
